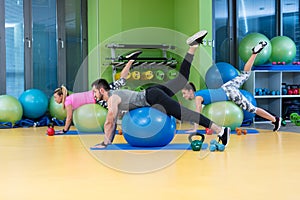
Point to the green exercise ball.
(56, 110)
(250, 41)
(283, 49)
(224, 113)
(90, 118)
(10, 109)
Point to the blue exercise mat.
(249, 131)
(171, 146)
(75, 132)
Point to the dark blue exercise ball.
(250, 97)
(220, 73)
(148, 127)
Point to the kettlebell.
(196, 144)
(50, 130)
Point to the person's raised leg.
(255, 50)
(239, 80)
(248, 66)
(173, 86)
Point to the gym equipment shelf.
(273, 77)
(163, 47)
(145, 71)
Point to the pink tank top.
(78, 99)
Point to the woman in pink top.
(73, 101)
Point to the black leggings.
(159, 96)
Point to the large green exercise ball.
(283, 49)
(10, 109)
(34, 103)
(56, 110)
(90, 118)
(224, 113)
(250, 41)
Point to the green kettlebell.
(294, 117)
(196, 144)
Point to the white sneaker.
(133, 55)
(224, 138)
(259, 47)
(197, 38)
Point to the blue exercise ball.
(34, 103)
(148, 127)
(220, 73)
(248, 115)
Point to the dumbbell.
(215, 146)
(240, 131)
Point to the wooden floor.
(36, 166)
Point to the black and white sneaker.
(197, 38)
(277, 124)
(133, 55)
(259, 47)
(224, 138)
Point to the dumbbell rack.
(141, 64)
(273, 77)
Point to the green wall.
(147, 13)
(108, 18)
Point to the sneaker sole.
(279, 125)
(262, 46)
(228, 135)
(228, 132)
(200, 34)
(128, 56)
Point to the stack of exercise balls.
(225, 113)
(10, 109)
(280, 49)
(34, 103)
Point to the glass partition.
(14, 34)
(44, 45)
